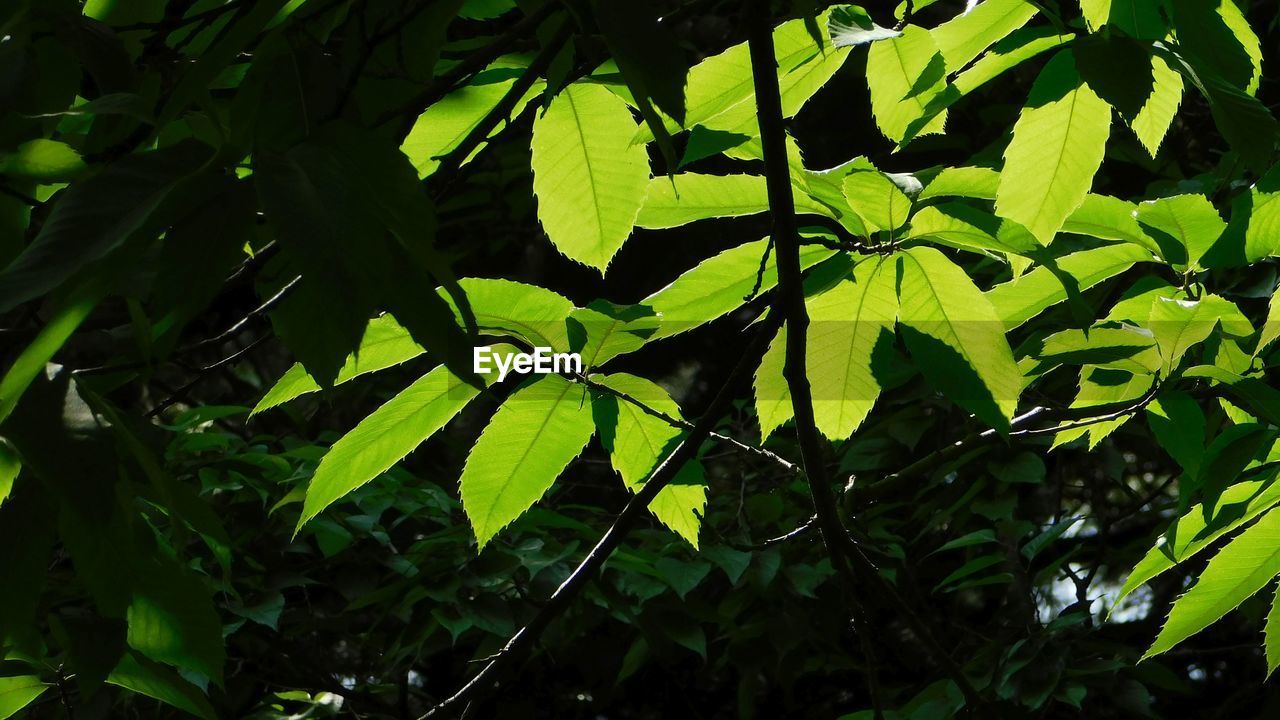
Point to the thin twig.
(678, 423)
(239, 325)
(201, 373)
(19, 196)
(764, 264)
(890, 484)
(452, 162)
(799, 531)
(475, 62)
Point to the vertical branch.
(789, 302)
(847, 558)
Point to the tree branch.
(890, 484)
(847, 558)
(474, 63)
(452, 162)
(678, 423)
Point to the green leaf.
(904, 75)
(1152, 122)
(1241, 569)
(32, 360)
(1230, 51)
(1103, 387)
(773, 397)
(970, 182)
(682, 576)
(681, 199)
(612, 330)
(589, 179)
(1009, 53)
(1270, 328)
(1179, 325)
(17, 692)
(387, 435)
(1096, 346)
(1237, 505)
(1235, 448)
(876, 199)
(1046, 538)
(1262, 399)
(532, 438)
(1098, 56)
(1244, 122)
(968, 228)
(721, 82)
(956, 338)
(1184, 226)
(981, 562)
(1178, 424)
(154, 680)
(44, 161)
(94, 217)
(637, 441)
(1272, 634)
(1057, 146)
(718, 285)
(528, 313)
(977, 537)
(172, 620)
(850, 324)
(385, 344)
(1108, 218)
(965, 36)
(1020, 300)
(10, 466)
(1136, 18)
(850, 26)
(647, 53)
(346, 187)
(796, 86)
(1262, 237)
(440, 129)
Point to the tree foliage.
(926, 358)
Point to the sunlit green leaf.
(590, 180)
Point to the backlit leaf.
(1057, 147)
(956, 338)
(1241, 569)
(904, 74)
(387, 435)
(532, 438)
(590, 180)
(637, 441)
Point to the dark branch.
(674, 422)
(474, 63)
(452, 162)
(851, 564)
(799, 531)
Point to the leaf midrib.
(591, 178)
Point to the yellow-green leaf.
(956, 338)
(1057, 146)
(532, 438)
(1241, 569)
(589, 179)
